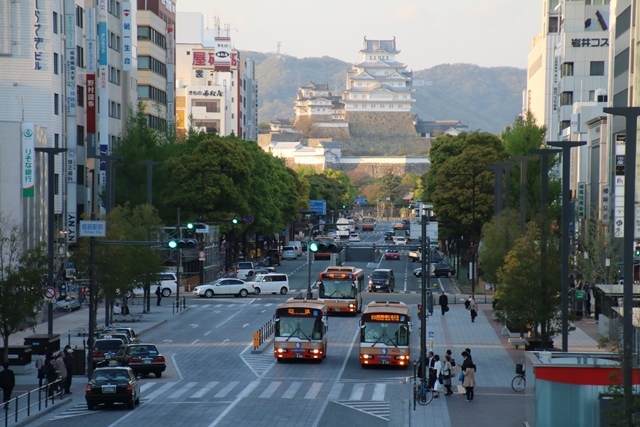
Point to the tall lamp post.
(473, 225)
(425, 278)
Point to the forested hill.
(486, 99)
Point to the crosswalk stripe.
(357, 392)
(313, 391)
(334, 394)
(378, 392)
(159, 391)
(292, 390)
(227, 389)
(271, 388)
(205, 389)
(146, 386)
(182, 390)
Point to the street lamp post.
(425, 279)
(473, 225)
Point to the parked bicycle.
(422, 393)
(519, 382)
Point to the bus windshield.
(307, 328)
(337, 289)
(385, 333)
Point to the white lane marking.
(292, 390)
(194, 325)
(227, 389)
(159, 391)
(195, 341)
(313, 391)
(248, 389)
(185, 388)
(207, 333)
(229, 318)
(334, 394)
(175, 365)
(378, 392)
(357, 392)
(268, 392)
(204, 389)
(144, 387)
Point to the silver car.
(289, 252)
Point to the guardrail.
(179, 305)
(262, 334)
(21, 407)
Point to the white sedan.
(353, 237)
(226, 286)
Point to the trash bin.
(43, 343)
(79, 363)
(19, 355)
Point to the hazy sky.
(484, 32)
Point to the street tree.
(596, 247)
(21, 273)
(498, 237)
(528, 289)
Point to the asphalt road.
(213, 379)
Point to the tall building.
(69, 76)
(216, 92)
(156, 21)
(379, 82)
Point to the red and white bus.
(301, 330)
(368, 223)
(385, 328)
(341, 288)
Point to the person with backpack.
(473, 308)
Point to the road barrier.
(179, 305)
(24, 406)
(262, 334)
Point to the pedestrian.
(469, 382)
(50, 374)
(438, 383)
(467, 361)
(587, 299)
(447, 373)
(40, 361)
(61, 368)
(7, 382)
(444, 303)
(159, 294)
(452, 361)
(117, 311)
(473, 308)
(68, 363)
(431, 373)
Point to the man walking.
(159, 294)
(68, 363)
(444, 303)
(7, 382)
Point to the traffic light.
(182, 243)
(198, 227)
(323, 247)
(235, 221)
(637, 251)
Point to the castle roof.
(379, 46)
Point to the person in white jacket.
(438, 387)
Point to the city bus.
(368, 223)
(385, 328)
(301, 330)
(341, 287)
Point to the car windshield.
(108, 344)
(147, 350)
(244, 265)
(379, 275)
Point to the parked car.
(443, 269)
(112, 385)
(289, 252)
(142, 358)
(168, 281)
(243, 268)
(399, 240)
(392, 254)
(262, 270)
(124, 337)
(382, 279)
(354, 237)
(227, 286)
(68, 304)
(104, 349)
(272, 282)
(298, 245)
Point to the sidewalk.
(495, 403)
(72, 328)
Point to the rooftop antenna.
(279, 44)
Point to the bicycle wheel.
(133, 301)
(518, 382)
(425, 395)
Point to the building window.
(592, 95)
(596, 68)
(114, 110)
(79, 17)
(55, 22)
(564, 124)
(151, 63)
(80, 96)
(621, 63)
(80, 136)
(80, 174)
(56, 140)
(148, 33)
(211, 106)
(566, 98)
(113, 7)
(56, 104)
(566, 69)
(55, 63)
(114, 76)
(553, 24)
(79, 56)
(602, 98)
(152, 93)
(156, 122)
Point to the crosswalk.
(369, 397)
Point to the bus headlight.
(315, 351)
(281, 350)
(401, 357)
(367, 356)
